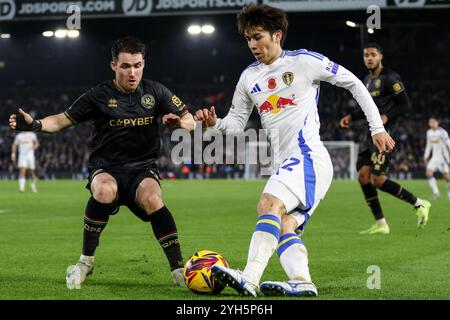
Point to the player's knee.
(364, 177)
(378, 181)
(429, 174)
(105, 192)
(270, 205)
(150, 202)
(288, 224)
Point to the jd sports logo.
(137, 7)
(7, 9)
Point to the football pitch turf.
(41, 234)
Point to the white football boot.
(178, 277)
(290, 288)
(76, 274)
(235, 279)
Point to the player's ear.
(113, 66)
(278, 35)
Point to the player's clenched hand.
(207, 117)
(383, 142)
(171, 121)
(345, 121)
(14, 118)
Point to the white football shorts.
(26, 161)
(438, 165)
(301, 182)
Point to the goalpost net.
(343, 156)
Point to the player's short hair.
(128, 44)
(374, 45)
(433, 117)
(264, 16)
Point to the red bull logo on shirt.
(275, 104)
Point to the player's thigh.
(148, 195)
(364, 174)
(104, 187)
(431, 167)
(380, 163)
(31, 163)
(302, 180)
(22, 163)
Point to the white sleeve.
(446, 139)
(428, 146)
(331, 72)
(241, 108)
(34, 139)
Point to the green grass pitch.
(41, 234)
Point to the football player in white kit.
(25, 143)
(284, 87)
(438, 144)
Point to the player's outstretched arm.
(51, 124)
(173, 121)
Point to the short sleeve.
(82, 109)
(168, 102)
(395, 84)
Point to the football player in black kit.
(124, 147)
(389, 94)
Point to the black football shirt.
(125, 130)
(384, 88)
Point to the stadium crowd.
(65, 155)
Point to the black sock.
(371, 195)
(398, 191)
(95, 219)
(165, 231)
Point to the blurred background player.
(287, 92)
(389, 94)
(124, 147)
(438, 145)
(25, 143)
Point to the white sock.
(433, 185)
(88, 259)
(294, 258)
(33, 183)
(382, 221)
(262, 247)
(418, 203)
(22, 183)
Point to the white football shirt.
(438, 144)
(24, 141)
(286, 94)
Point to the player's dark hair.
(433, 117)
(128, 44)
(269, 18)
(374, 45)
